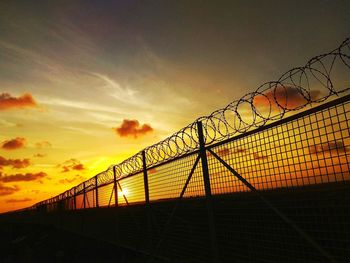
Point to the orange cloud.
(286, 96)
(223, 152)
(13, 144)
(239, 150)
(7, 190)
(18, 200)
(22, 177)
(8, 102)
(259, 157)
(78, 167)
(15, 163)
(152, 171)
(227, 151)
(328, 147)
(66, 181)
(71, 180)
(70, 165)
(43, 144)
(132, 128)
(39, 155)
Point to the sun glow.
(124, 192)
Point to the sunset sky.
(85, 84)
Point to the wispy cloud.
(122, 94)
(43, 144)
(21, 200)
(7, 124)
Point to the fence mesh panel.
(131, 190)
(106, 195)
(299, 165)
(302, 167)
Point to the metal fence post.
(96, 192)
(205, 170)
(145, 180)
(115, 186)
(75, 199)
(84, 197)
(145, 177)
(116, 216)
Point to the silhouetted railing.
(293, 170)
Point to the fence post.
(206, 179)
(84, 197)
(75, 199)
(145, 177)
(115, 186)
(145, 180)
(96, 192)
(116, 216)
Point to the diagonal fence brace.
(167, 224)
(286, 219)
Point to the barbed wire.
(296, 89)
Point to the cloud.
(15, 163)
(239, 150)
(259, 157)
(78, 167)
(152, 171)
(223, 152)
(18, 200)
(39, 155)
(71, 180)
(70, 165)
(7, 124)
(227, 151)
(132, 128)
(336, 146)
(66, 181)
(13, 144)
(286, 96)
(43, 144)
(22, 177)
(8, 102)
(8, 190)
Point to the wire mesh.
(106, 195)
(167, 181)
(131, 190)
(186, 236)
(90, 199)
(306, 151)
(302, 166)
(79, 199)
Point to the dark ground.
(37, 243)
(247, 230)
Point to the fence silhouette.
(265, 178)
